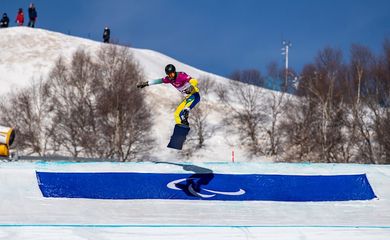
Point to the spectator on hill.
(106, 35)
(20, 17)
(4, 21)
(32, 15)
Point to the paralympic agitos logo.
(191, 187)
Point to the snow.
(26, 214)
(28, 55)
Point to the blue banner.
(205, 186)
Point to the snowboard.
(179, 136)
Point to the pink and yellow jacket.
(182, 82)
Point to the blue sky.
(221, 36)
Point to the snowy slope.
(26, 214)
(28, 54)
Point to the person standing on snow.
(32, 15)
(4, 21)
(186, 85)
(20, 17)
(106, 35)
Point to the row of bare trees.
(88, 107)
(254, 113)
(345, 108)
(340, 112)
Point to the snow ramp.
(163, 200)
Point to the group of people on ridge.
(32, 16)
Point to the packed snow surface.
(26, 214)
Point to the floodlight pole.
(286, 46)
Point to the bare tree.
(361, 62)
(98, 112)
(245, 115)
(326, 119)
(276, 109)
(28, 111)
(124, 118)
(298, 127)
(383, 125)
(360, 127)
(382, 134)
(377, 100)
(253, 113)
(73, 103)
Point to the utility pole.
(285, 48)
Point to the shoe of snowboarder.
(184, 117)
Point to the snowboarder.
(186, 85)
(32, 14)
(106, 35)
(4, 21)
(20, 17)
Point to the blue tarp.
(205, 186)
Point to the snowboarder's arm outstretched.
(148, 83)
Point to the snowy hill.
(29, 54)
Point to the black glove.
(142, 85)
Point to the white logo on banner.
(172, 185)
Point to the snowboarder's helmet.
(170, 69)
